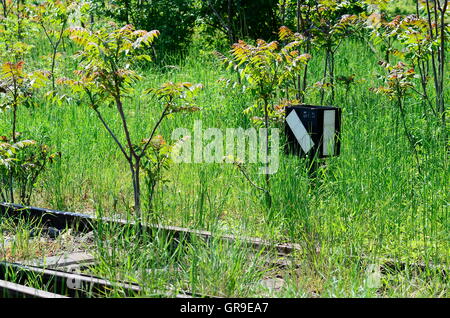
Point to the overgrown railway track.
(61, 281)
(86, 223)
(57, 273)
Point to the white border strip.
(329, 129)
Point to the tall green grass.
(368, 205)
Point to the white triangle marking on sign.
(300, 133)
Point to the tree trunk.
(266, 124)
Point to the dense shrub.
(240, 19)
(175, 19)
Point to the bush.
(175, 19)
(240, 19)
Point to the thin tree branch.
(144, 149)
(242, 170)
(99, 115)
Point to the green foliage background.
(370, 204)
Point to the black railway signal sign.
(313, 130)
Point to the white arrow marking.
(300, 133)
